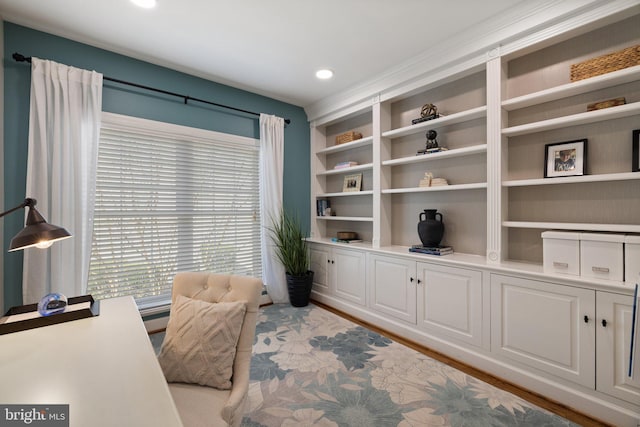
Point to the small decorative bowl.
(347, 235)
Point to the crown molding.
(525, 25)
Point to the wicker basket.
(347, 137)
(606, 63)
(606, 104)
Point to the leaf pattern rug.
(311, 367)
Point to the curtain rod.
(21, 58)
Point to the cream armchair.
(206, 406)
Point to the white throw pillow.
(200, 343)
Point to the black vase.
(300, 289)
(430, 227)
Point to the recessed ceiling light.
(324, 74)
(147, 4)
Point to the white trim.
(529, 24)
(163, 129)
(158, 324)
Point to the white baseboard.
(157, 324)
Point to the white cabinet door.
(320, 265)
(613, 337)
(545, 326)
(450, 302)
(349, 275)
(392, 286)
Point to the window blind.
(169, 199)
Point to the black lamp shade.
(37, 232)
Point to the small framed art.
(352, 182)
(635, 163)
(565, 158)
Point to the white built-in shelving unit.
(496, 118)
(491, 303)
(499, 109)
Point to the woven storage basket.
(606, 63)
(347, 137)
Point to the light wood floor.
(536, 399)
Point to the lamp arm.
(27, 202)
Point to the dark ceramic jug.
(430, 227)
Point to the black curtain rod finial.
(21, 58)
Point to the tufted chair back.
(212, 287)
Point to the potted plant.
(292, 251)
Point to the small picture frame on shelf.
(352, 182)
(635, 163)
(565, 158)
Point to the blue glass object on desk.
(52, 304)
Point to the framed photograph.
(635, 163)
(352, 182)
(565, 158)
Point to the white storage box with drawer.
(632, 259)
(601, 256)
(561, 252)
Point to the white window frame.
(151, 129)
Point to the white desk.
(103, 367)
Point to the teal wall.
(139, 103)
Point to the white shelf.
(619, 77)
(367, 166)
(345, 193)
(463, 116)
(626, 176)
(346, 218)
(362, 142)
(474, 186)
(617, 228)
(466, 151)
(575, 119)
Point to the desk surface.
(103, 367)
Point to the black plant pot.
(299, 289)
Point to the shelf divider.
(616, 228)
(450, 119)
(606, 177)
(456, 152)
(575, 119)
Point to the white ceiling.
(270, 47)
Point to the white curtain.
(64, 128)
(271, 176)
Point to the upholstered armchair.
(188, 370)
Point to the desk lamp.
(37, 232)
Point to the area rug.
(311, 367)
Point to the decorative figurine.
(428, 112)
(431, 139)
(432, 144)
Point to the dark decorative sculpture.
(432, 143)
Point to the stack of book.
(435, 250)
(432, 150)
(347, 164)
(321, 207)
(336, 240)
(430, 181)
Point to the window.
(171, 198)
